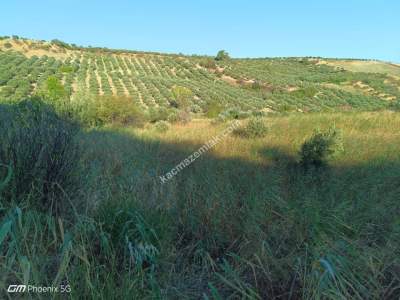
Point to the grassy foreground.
(242, 221)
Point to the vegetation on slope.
(268, 212)
(149, 79)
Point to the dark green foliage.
(39, 148)
(395, 105)
(320, 147)
(222, 55)
(61, 44)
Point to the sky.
(330, 28)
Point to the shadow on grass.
(230, 227)
(229, 206)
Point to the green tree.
(222, 55)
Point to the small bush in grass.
(179, 116)
(158, 114)
(244, 114)
(208, 63)
(173, 116)
(320, 147)
(213, 109)
(395, 106)
(184, 117)
(162, 126)
(255, 128)
(195, 108)
(221, 118)
(40, 149)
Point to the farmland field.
(286, 84)
(297, 198)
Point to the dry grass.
(241, 222)
(364, 66)
(35, 48)
(378, 130)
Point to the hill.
(278, 84)
(284, 185)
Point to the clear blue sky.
(336, 28)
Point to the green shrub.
(255, 128)
(213, 109)
(66, 69)
(208, 63)
(158, 114)
(184, 117)
(110, 110)
(182, 96)
(7, 45)
(195, 108)
(221, 118)
(161, 126)
(173, 116)
(320, 147)
(40, 150)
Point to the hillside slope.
(287, 84)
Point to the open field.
(275, 209)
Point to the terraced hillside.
(287, 84)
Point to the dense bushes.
(103, 110)
(39, 148)
(321, 146)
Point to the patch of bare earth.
(369, 90)
(36, 48)
(229, 79)
(292, 88)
